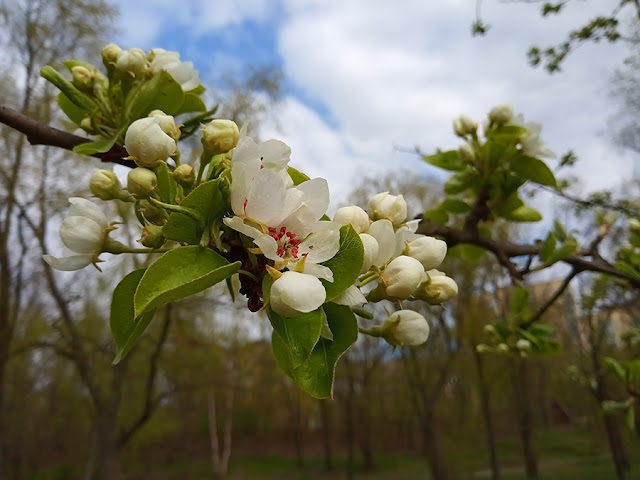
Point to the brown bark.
(487, 416)
(522, 403)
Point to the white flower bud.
(184, 175)
(429, 251)
(391, 207)
(371, 250)
(502, 348)
(523, 345)
(464, 125)
(82, 78)
(501, 114)
(402, 277)
(167, 123)
(152, 237)
(466, 154)
(634, 224)
(482, 348)
(219, 136)
(353, 215)
(489, 329)
(132, 61)
(147, 144)
(405, 327)
(295, 293)
(141, 182)
(182, 72)
(439, 288)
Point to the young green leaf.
(519, 301)
(346, 264)
(297, 176)
(191, 103)
(208, 200)
(162, 92)
(523, 214)
(461, 181)
(316, 375)
(75, 113)
(533, 169)
(125, 328)
(438, 215)
(446, 160)
(300, 333)
(167, 186)
(455, 205)
(99, 146)
(179, 273)
(548, 247)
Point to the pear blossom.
(371, 250)
(354, 216)
(438, 288)
(182, 72)
(429, 251)
(219, 136)
(83, 233)
(147, 144)
(401, 277)
(391, 207)
(530, 142)
(501, 114)
(464, 125)
(406, 327)
(132, 61)
(295, 293)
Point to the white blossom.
(182, 72)
(354, 216)
(402, 277)
(295, 293)
(83, 232)
(392, 207)
(147, 144)
(406, 327)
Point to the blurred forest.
(201, 397)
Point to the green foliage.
(346, 264)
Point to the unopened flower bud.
(438, 289)
(82, 78)
(501, 114)
(294, 293)
(489, 329)
(466, 154)
(219, 136)
(502, 348)
(482, 348)
(634, 224)
(353, 215)
(132, 61)
(184, 175)
(405, 327)
(371, 250)
(141, 182)
(399, 279)
(105, 185)
(464, 125)
(152, 237)
(391, 207)
(523, 344)
(167, 123)
(110, 55)
(87, 125)
(147, 144)
(429, 251)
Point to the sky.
(369, 80)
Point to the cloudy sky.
(367, 78)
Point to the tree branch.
(38, 133)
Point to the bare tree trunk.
(297, 427)
(326, 435)
(350, 425)
(521, 399)
(486, 414)
(432, 447)
(220, 454)
(365, 435)
(104, 458)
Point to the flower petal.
(266, 198)
(268, 246)
(238, 224)
(86, 208)
(351, 297)
(294, 293)
(382, 231)
(70, 263)
(321, 246)
(81, 234)
(316, 195)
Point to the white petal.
(321, 246)
(314, 269)
(86, 208)
(351, 297)
(413, 225)
(239, 188)
(70, 263)
(266, 198)
(382, 231)
(316, 195)
(301, 222)
(275, 154)
(238, 224)
(295, 293)
(81, 234)
(268, 246)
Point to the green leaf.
(564, 251)
(162, 92)
(548, 247)
(297, 176)
(446, 160)
(467, 251)
(300, 333)
(455, 205)
(509, 204)
(523, 214)
(167, 186)
(519, 301)
(192, 103)
(630, 418)
(179, 273)
(533, 169)
(99, 146)
(75, 113)
(205, 198)
(616, 367)
(346, 264)
(461, 181)
(69, 89)
(125, 328)
(437, 215)
(281, 353)
(316, 375)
